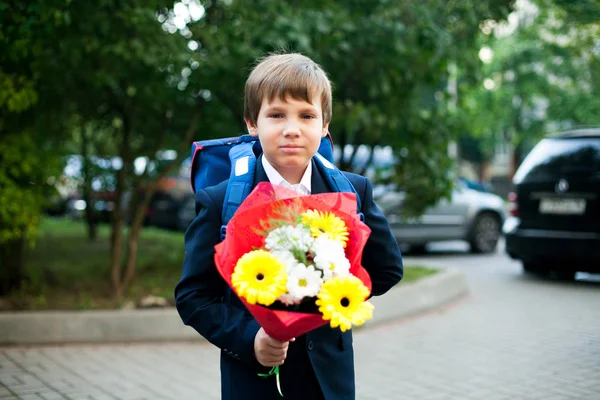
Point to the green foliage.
(126, 78)
(119, 70)
(25, 159)
(19, 207)
(477, 150)
(389, 63)
(545, 75)
(75, 66)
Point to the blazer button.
(311, 345)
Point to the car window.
(555, 157)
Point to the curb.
(106, 326)
(424, 295)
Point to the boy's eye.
(276, 115)
(308, 116)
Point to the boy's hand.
(268, 351)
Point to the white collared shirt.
(303, 188)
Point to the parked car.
(68, 199)
(479, 186)
(471, 215)
(555, 216)
(104, 204)
(172, 205)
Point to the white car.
(471, 215)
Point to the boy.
(288, 106)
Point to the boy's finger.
(277, 344)
(272, 350)
(273, 363)
(272, 358)
(275, 352)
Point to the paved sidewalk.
(514, 338)
(462, 353)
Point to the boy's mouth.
(290, 148)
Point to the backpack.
(234, 158)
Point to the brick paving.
(513, 338)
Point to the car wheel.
(417, 249)
(533, 268)
(485, 234)
(564, 275)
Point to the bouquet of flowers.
(295, 261)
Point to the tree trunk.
(87, 187)
(116, 247)
(121, 282)
(483, 171)
(515, 160)
(11, 265)
(134, 233)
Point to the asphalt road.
(514, 337)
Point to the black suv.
(555, 216)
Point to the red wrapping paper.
(243, 236)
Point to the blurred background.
(437, 102)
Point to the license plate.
(562, 206)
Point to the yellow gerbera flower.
(326, 223)
(342, 302)
(259, 277)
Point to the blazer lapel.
(317, 182)
(259, 173)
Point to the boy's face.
(290, 133)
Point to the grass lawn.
(67, 271)
(413, 273)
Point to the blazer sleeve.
(381, 255)
(200, 293)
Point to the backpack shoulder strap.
(243, 165)
(241, 178)
(337, 180)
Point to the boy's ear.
(325, 130)
(252, 130)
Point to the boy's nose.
(291, 129)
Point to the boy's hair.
(283, 75)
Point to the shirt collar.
(304, 187)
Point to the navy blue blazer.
(320, 364)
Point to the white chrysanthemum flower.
(303, 281)
(288, 238)
(330, 258)
(333, 267)
(325, 245)
(286, 257)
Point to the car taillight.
(513, 208)
(167, 183)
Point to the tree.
(389, 63)
(28, 156)
(543, 75)
(126, 76)
(112, 67)
(139, 73)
